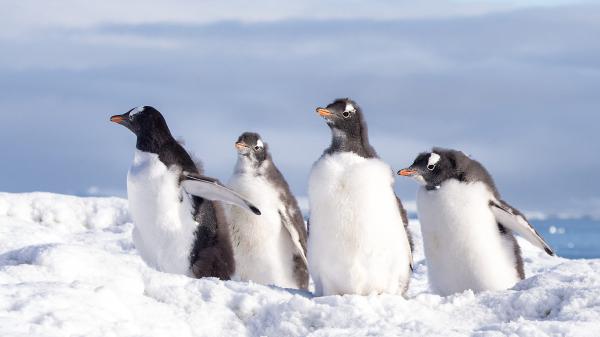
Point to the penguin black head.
(147, 124)
(345, 119)
(141, 120)
(343, 115)
(433, 168)
(250, 146)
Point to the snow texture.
(68, 267)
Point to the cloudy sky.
(514, 83)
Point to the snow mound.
(68, 268)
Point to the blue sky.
(513, 83)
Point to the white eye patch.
(434, 158)
(259, 143)
(349, 108)
(136, 111)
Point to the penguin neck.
(247, 165)
(356, 141)
(153, 141)
(432, 187)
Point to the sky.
(512, 83)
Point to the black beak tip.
(255, 210)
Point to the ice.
(68, 268)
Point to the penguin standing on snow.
(179, 228)
(269, 249)
(358, 241)
(467, 228)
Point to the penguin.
(358, 242)
(269, 249)
(467, 228)
(178, 225)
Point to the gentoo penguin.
(357, 242)
(269, 249)
(467, 228)
(178, 226)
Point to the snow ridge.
(68, 267)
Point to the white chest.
(463, 246)
(357, 243)
(262, 247)
(162, 214)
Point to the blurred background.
(513, 83)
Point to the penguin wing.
(211, 189)
(295, 233)
(512, 219)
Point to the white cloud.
(30, 15)
(497, 86)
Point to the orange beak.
(324, 112)
(117, 119)
(407, 173)
(241, 146)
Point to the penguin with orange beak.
(468, 230)
(358, 242)
(269, 249)
(179, 224)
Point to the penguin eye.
(431, 167)
(257, 148)
(346, 114)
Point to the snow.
(68, 268)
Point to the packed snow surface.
(68, 268)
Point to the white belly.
(164, 226)
(262, 247)
(463, 246)
(357, 243)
